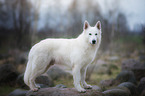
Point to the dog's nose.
(93, 41)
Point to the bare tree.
(21, 21)
(35, 15)
(112, 15)
(143, 33)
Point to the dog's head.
(93, 34)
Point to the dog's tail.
(27, 73)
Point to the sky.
(134, 10)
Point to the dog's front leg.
(83, 76)
(77, 78)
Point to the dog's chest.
(88, 55)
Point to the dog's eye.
(96, 34)
(90, 34)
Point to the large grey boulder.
(18, 92)
(116, 92)
(136, 66)
(132, 88)
(126, 76)
(42, 80)
(8, 74)
(141, 86)
(63, 92)
(56, 73)
(46, 80)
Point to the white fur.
(75, 54)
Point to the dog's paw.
(35, 89)
(82, 90)
(88, 87)
(38, 86)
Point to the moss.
(65, 81)
(5, 90)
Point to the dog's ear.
(86, 25)
(98, 25)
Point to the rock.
(19, 56)
(131, 87)
(126, 76)
(123, 88)
(143, 93)
(4, 56)
(46, 80)
(55, 73)
(42, 81)
(18, 92)
(103, 69)
(20, 82)
(115, 92)
(141, 85)
(114, 58)
(60, 86)
(43, 85)
(131, 64)
(97, 88)
(137, 67)
(142, 58)
(63, 92)
(107, 83)
(8, 74)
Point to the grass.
(127, 39)
(5, 90)
(94, 79)
(68, 82)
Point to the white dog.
(75, 54)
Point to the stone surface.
(137, 67)
(115, 92)
(55, 73)
(107, 83)
(141, 85)
(20, 82)
(60, 86)
(97, 88)
(8, 74)
(18, 92)
(63, 92)
(42, 85)
(143, 93)
(103, 69)
(42, 81)
(46, 80)
(126, 76)
(131, 87)
(114, 58)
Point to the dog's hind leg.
(37, 71)
(33, 86)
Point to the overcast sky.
(134, 10)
